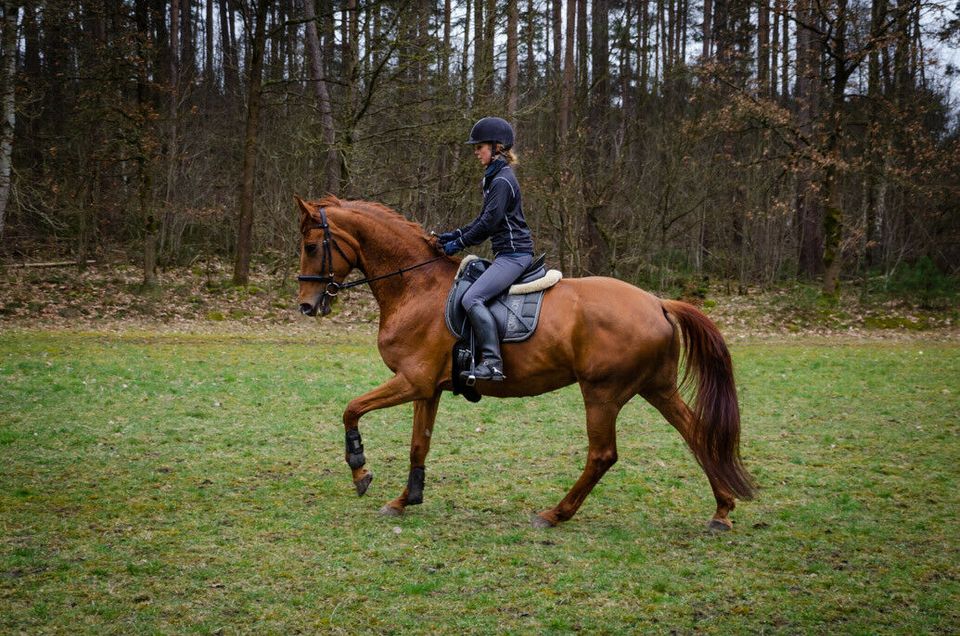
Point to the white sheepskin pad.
(552, 278)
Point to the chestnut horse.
(615, 340)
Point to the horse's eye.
(311, 248)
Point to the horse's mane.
(377, 211)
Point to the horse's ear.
(306, 210)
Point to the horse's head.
(327, 255)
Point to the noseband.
(332, 287)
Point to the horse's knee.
(604, 458)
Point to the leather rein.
(332, 286)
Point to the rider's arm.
(491, 216)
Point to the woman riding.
(501, 220)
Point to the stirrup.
(483, 371)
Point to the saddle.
(516, 312)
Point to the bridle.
(332, 287)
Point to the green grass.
(189, 484)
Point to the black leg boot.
(485, 330)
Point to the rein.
(333, 287)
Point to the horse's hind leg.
(602, 454)
(424, 416)
(676, 411)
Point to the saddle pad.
(516, 315)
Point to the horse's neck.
(384, 251)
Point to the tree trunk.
(465, 54)
(774, 49)
(328, 37)
(208, 78)
(707, 27)
(445, 54)
(151, 224)
(583, 51)
(145, 197)
(557, 38)
(784, 51)
(350, 53)
(530, 64)
(875, 154)
(566, 99)
(763, 47)
(809, 217)
(489, 36)
(598, 141)
(512, 65)
(188, 59)
(29, 144)
(479, 54)
(682, 32)
(669, 31)
(600, 67)
(241, 271)
(657, 30)
(643, 54)
(8, 69)
(231, 69)
(151, 230)
(833, 196)
(318, 83)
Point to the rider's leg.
(488, 341)
(499, 276)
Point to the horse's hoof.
(363, 483)
(720, 525)
(539, 522)
(390, 511)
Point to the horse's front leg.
(396, 390)
(424, 416)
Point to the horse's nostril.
(307, 309)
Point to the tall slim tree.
(231, 67)
(479, 53)
(512, 63)
(241, 270)
(763, 47)
(566, 99)
(209, 79)
(318, 84)
(809, 210)
(8, 69)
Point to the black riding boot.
(488, 340)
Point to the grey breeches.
(499, 276)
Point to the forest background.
(661, 141)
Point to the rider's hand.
(452, 247)
(446, 237)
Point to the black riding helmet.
(492, 129)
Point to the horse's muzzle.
(322, 305)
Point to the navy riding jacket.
(501, 218)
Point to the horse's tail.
(716, 434)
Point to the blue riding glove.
(446, 237)
(452, 247)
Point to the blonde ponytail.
(509, 156)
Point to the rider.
(501, 220)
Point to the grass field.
(171, 484)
